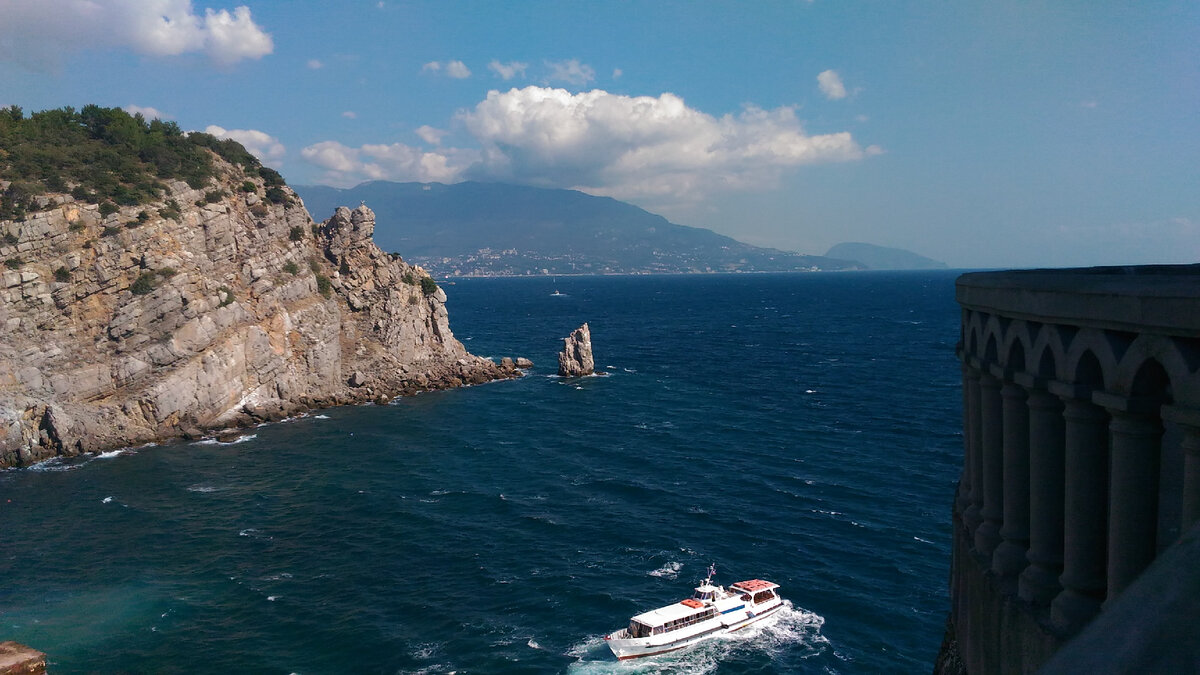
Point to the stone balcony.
(1081, 430)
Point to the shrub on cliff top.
(428, 286)
(107, 154)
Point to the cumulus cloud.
(831, 85)
(265, 147)
(508, 71)
(350, 114)
(640, 146)
(571, 72)
(617, 73)
(430, 135)
(315, 64)
(146, 112)
(37, 34)
(347, 166)
(456, 69)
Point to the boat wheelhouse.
(712, 610)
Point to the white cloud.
(265, 147)
(456, 69)
(430, 135)
(37, 34)
(831, 85)
(348, 166)
(315, 64)
(640, 146)
(617, 73)
(1088, 104)
(146, 112)
(350, 115)
(648, 149)
(508, 71)
(571, 72)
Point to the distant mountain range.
(494, 229)
(884, 258)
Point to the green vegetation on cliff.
(104, 155)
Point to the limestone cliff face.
(150, 323)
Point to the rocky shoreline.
(214, 308)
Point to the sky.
(983, 134)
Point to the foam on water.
(667, 571)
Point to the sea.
(800, 428)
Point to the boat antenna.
(712, 571)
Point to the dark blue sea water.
(799, 428)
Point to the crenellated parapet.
(1081, 428)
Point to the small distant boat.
(711, 611)
(557, 294)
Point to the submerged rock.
(575, 359)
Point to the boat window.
(638, 629)
(763, 596)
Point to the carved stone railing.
(1081, 430)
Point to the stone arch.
(1151, 381)
(1163, 352)
(993, 338)
(1016, 347)
(1048, 353)
(974, 330)
(1102, 373)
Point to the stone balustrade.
(1081, 435)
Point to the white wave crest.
(667, 571)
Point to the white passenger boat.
(712, 610)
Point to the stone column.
(1188, 420)
(963, 498)
(1086, 516)
(1136, 438)
(990, 422)
(1009, 558)
(1039, 582)
(972, 517)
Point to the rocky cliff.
(575, 359)
(211, 307)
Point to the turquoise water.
(798, 428)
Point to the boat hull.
(634, 648)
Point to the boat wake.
(794, 633)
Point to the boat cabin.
(755, 590)
(670, 618)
